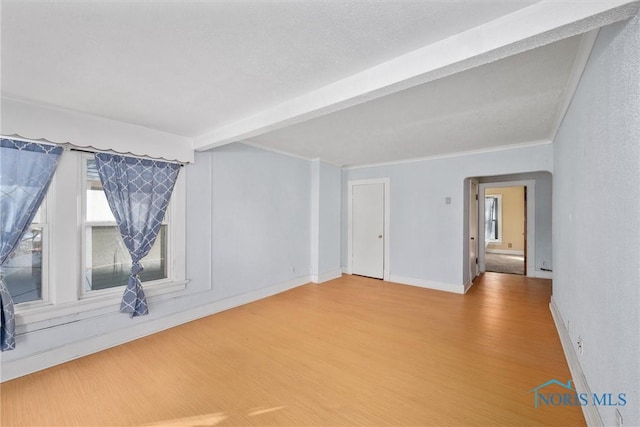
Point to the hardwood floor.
(353, 351)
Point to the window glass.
(96, 201)
(107, 261)
(493, 207)
(23, 269)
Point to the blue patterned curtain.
(138, 192)
(26, 169)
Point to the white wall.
(428, 246)
(247, 223)
(596, 211)
(58, 125)
(325, 221)
(260, 214)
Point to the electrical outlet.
(293, 268)
(580, 346)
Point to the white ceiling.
(196, 69)
(511, 101)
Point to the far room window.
(107, 263)
(24, 270)
(493, 218)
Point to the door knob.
(379, 236)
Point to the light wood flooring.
(353, 351)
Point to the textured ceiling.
(512, 101)
(351, 82)
(187, 68)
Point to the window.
(107, 262)
(493, 218)
(24, 268)
(73, 260)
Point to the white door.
(368, 230)
(473, 229)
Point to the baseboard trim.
(325, 277)
(49, 358)
(590, 412)
(468, 285)
(345, 270)
(504, 252)
(428, 284)
(543, 274)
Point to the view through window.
(107, 261)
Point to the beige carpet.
(500, 263)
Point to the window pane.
(23, 270)
(38, 217)
(97, 206)
(109, 263)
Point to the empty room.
(318, 213)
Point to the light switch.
(447, 200)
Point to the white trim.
(470, 238)
(530, 184)
(314, 250)
(453, 154)
(43, 141)
(504, 251)
(273, 150)
(36, 120)
(430, 284)
(70, 351)
(325, 277)
(387, 222)
(65, 275)
(468, 285)
(86, 242)
(543, 274)
(537, 25)
(580, 62)
(56, 314)
(345, 270)
(590, 412)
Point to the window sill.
(27, 318)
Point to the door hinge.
(476, 197)
(476, 260)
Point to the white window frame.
(64, 269)
(84, 293)
(499, 217)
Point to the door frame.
(474, 208)
(386, 234)
(530, 228)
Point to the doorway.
(505, 229)
(368, 228)
(507, 239)
(473, 229)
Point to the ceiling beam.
(537, 25)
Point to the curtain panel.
(26, 170)
(138, 191)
